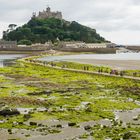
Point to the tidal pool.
(123, 61)
(8, 59)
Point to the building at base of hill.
(7, 44)
(76, 44)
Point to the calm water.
(8, 59)
(121, 56)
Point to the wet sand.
(116, 64)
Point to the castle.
(48, 14)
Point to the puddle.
(103, 122)
(27, 110)
(127, 116)
(24, 110)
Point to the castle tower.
(34, 15)
(48, 9)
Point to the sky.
(116, 20)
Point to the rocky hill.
(51, 29)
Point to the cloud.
(109, 17)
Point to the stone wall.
(134, 48)
(7, 44)
(94, 50)
(35, 47)
(25, 49)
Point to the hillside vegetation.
(43, 30)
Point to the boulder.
(9, 112)
(88, 127)
(71, 124)
(33, 123)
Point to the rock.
(135, 118)
(9, 112)
(28, 135)
(91, 134)
(59, 126)
(47, 92)
(88, 127)
(2, 104)
(33, 123)
(88, 109)
(9, 131)
(71, 124)
(27, 116)
(20, 123)
(129, 135)
(40, 125)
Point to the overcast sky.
(116, 20)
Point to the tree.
(25, 42)
(12, 26)
(42, 30)
(5, 35)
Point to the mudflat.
(116, 64)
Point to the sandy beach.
(116, 64)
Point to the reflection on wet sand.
(6, 63)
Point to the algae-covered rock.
(88, 127)
(9, 112)
(33, 123)
(71, 124)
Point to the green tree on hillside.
(43, 30)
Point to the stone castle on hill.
(48, 14)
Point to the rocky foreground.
(38, 102)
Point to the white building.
(96, 45)
(75, 45)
